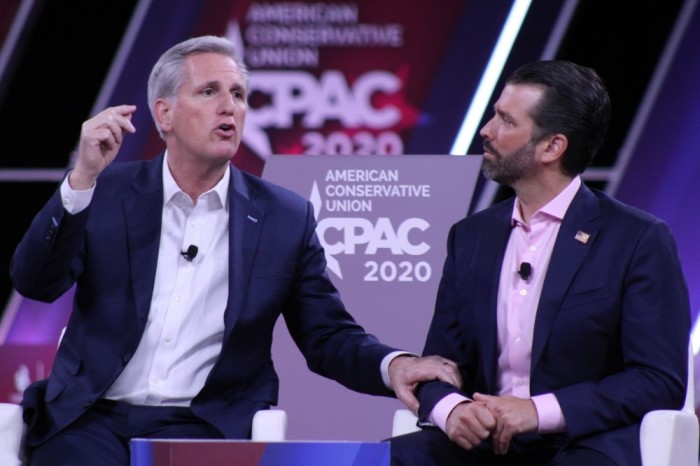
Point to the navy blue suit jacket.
(277, 267)
(612, 326)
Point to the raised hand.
(100, 139)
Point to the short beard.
(508, 169)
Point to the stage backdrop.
(362, 77)
(383, 222)
(327, 77)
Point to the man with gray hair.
(182, 266)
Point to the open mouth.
(226, 130)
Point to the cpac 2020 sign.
(351, 191)
(382, 220)
(337, 77)
(317, 101)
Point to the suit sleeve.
(47, 260)
(332, 342)
(444, 337)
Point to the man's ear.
(163, 112)
(555, 148)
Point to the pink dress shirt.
(517, 308)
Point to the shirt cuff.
(444, 407)
(75, 201)
(549, 414)
(385, 366)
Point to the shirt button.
(517, 339)
(523, 292)
(177, 299)
(168, 339)
(532, 248)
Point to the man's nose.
(485, 131)
(226, 103)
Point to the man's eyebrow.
(216, 84)
(502, 112)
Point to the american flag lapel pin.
(582, 236)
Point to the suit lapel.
(143, 210)
(489, 262)
(246, 216)
(577, 235)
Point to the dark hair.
(575, 103)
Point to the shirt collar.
(555, 208)
(171, 189)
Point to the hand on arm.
(512, 416)
(100, 139)
(407, 371)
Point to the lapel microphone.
(191, 252)
(524, 271)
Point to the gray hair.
(166, 76)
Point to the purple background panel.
(390, 270)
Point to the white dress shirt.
(185, 326)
